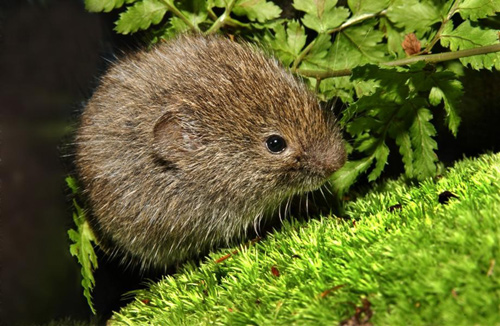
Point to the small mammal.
(184, 147)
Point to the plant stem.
(354, 21)
(302, 54)
(211, 14)
(171, 7)
(323, 74)
(429, 58)
(221, 20)
(439, 57)
(436, 37)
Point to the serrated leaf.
(421, 133)
(288, 43)
(477, 9)
(406, 151)
(415, 15)
(435, 96)
(313, 7)
(319, 50)
(257, 10)
(381, 154)
(82, 248)
(344, 178)
(393, 36)
(296, 37)
(361, 7)
(356, 46)
(217, 3)
(104, 5)
(195, 11)
(72, 184)
(330, 19)
(321, 15)
(391, 84)
(448, 91)
(466, 36)
(140, 16)
(366, 143)
(365, 87)
(336, 87)
(361, 124)
(176, 26)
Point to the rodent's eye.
(275, 144)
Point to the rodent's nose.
(327, 162)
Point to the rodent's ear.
(174, 137)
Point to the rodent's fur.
(172, 153)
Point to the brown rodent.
(184, 147)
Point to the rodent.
(183, 147)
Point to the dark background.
(52, 53)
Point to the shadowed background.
(50, 56)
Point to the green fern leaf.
(421, 133)
(82, 248)
(415, 15)
(344, 178)
(287, 43)
(362, 44)
(319, 50)
(466, 36)
(257, 10)
(450, 92)
(477, 9)
(321, 15)
(381, 154)
(362, 7)
(104, 5)
(404, 142)
(140, 16)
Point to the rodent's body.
(174, 152)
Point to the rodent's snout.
(326, 162)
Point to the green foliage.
(141, 15)
(477, 9)
(82, 245)
(387, 104)
(104, 5)
(466, 36)
(399, 109)
(416, 260)
(321, 16)
(257, 10)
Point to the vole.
(183, 147)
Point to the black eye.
(275, 144)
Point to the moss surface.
(404, 259)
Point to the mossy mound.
(408, 257)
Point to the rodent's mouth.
(310, 183)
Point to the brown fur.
(172, 147)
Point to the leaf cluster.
(386, 104)
(345, 52)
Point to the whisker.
(328, 189)
(307, 205)
(279, 213)
(323, 194)
(287, 206)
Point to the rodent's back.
(173, 149)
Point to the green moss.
(425, 263)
